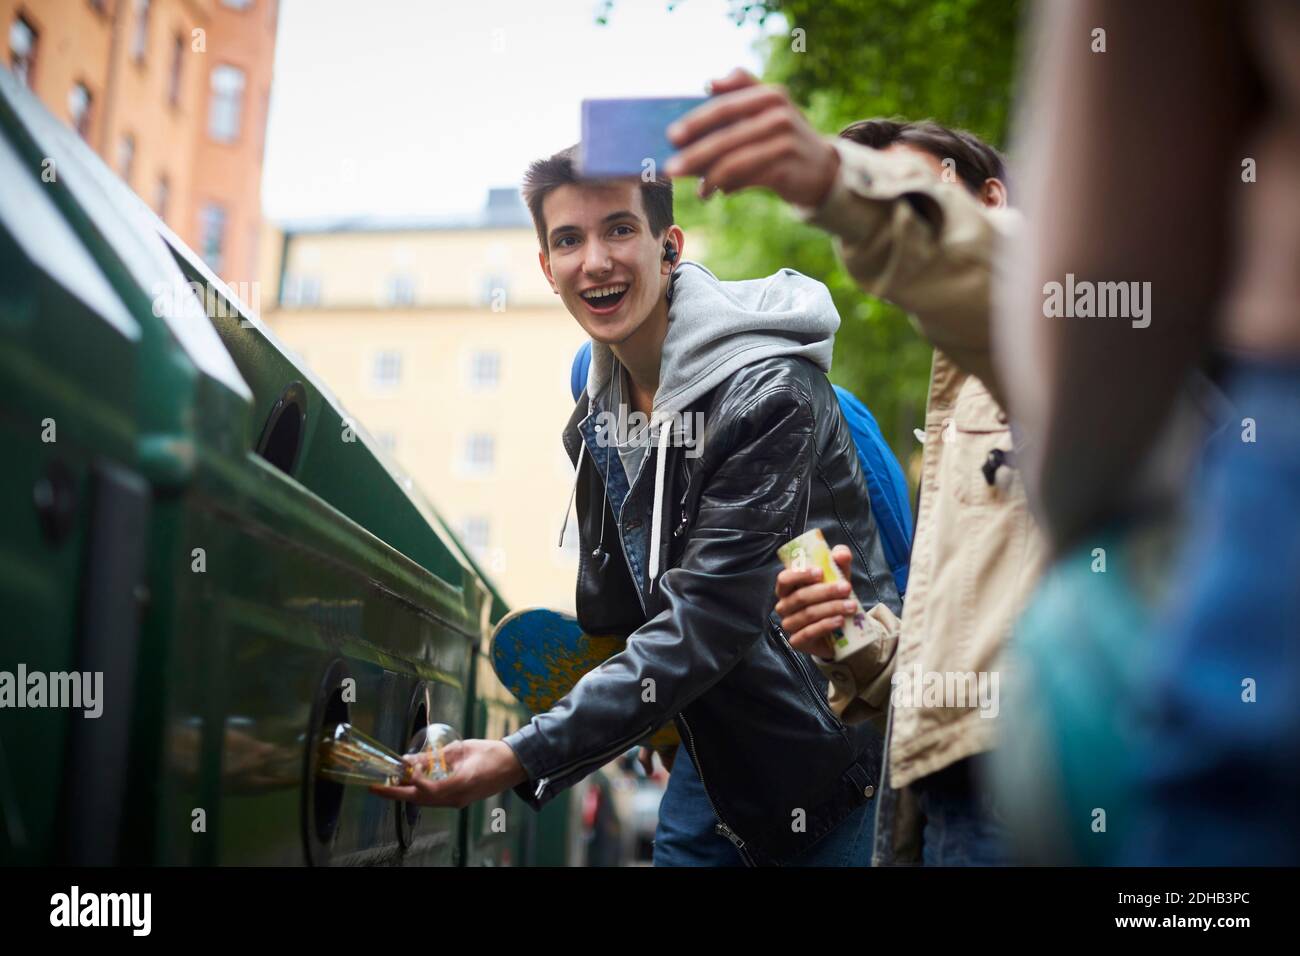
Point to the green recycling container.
(205, 564)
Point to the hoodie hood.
(716, 328)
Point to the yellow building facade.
(444, 340)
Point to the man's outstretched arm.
(718, 598)
(906, 236)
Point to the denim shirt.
(609, 465)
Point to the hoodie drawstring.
(598, 553)
(656, 521)
(582, 447)
(657, 518)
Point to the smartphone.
(622, 137)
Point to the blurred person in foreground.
(741, 445)
(918, 212)
(1162, 146)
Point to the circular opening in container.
(408, 814)
(285, 428)
(323, 799)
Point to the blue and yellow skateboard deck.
(540, 654)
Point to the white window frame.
(382, 363)
(300, 290)
(33, 50)
(400, 290)
(470, 466)
(140, 11)
(81, 123)
(226, 103)
(475, 381)
(216, 264)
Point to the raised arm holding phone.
(918, 212)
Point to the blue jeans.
(962, 827)
(849, 844)
(686, 836)
(1220, 756)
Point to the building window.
(484, 370)
(300, 290)
(23, 40)
(174, 78)
(480, 453)
(212, 235)
(162, 193)
(476, 533)
(79, 103)
(401, 290)
(140, 35)
(386, 372)
(126, 157)
(227, 97)
(261, 127)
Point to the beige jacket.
(929, 246)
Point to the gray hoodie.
(716, 328)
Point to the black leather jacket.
(705, 648)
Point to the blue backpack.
(885, 481)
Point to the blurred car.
(644, 794)
(600, 834)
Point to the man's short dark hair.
(547, 174)
(974, 160)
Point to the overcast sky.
(396, 107)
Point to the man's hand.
(750, 134)
(667, 756)
(810, 610)
(479, 768)
(646, 757)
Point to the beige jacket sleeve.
(926, 245)
(860, 684)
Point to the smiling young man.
(679, 524)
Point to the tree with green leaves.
(843, 60)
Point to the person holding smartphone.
(918, 212)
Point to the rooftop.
(504, 209)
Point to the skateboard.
(540, 654)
